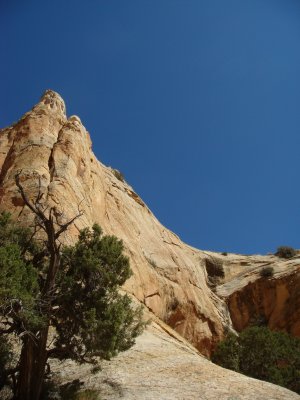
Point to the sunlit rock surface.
(53, 154)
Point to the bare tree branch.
(45, 222)
(65, 226)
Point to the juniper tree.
(74, 289)
(262, 354)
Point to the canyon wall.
(53, 154)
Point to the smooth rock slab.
(160, 367)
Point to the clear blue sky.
(197, 102)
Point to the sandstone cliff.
(170, 277)
(251, 296)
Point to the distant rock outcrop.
(274, 299)
(170, 278)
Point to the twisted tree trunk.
(34, 350)
(34, 353)
(32, 367)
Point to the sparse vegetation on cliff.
(118, 174)
(285, 252)
(262, 354)
(267, 272)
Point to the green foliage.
(93, 318)
(18, 277)
(262, 354)
(90, 315)
(5, 359)
(227, 353)
(11, 232)
(267, 272)
(118, 174)
(285, 252)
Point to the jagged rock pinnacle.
(54, 101)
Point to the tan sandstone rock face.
(170, 277)
(164, 367)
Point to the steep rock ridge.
(27, 146)
(275, 299)
(169, 277)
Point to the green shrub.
(118, 174)
(267, 272)
(5, 358)
(227, 353)
(285, 252)
(262, 354)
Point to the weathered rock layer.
(275, 300)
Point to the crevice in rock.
(51, 165)
(8, 162)
(194, 284)
(172, 243)
(152, 294)
(30, 145)
(51, 162)
(135, 197)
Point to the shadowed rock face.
(274, 300)
(170, 277)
